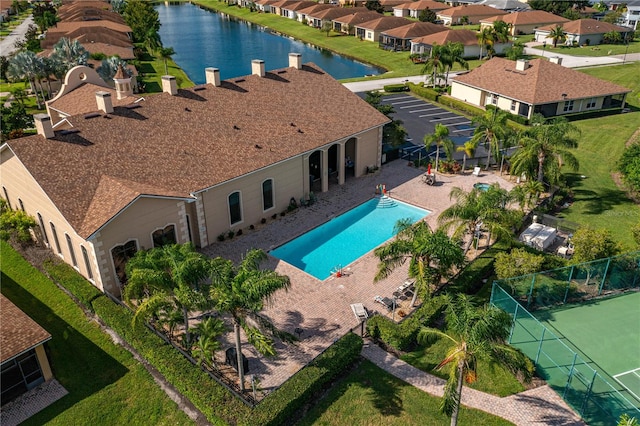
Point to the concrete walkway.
(538, 406)
(570, 61)
(7, 44)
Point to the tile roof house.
(524, 22)
(399, 39)
(371, 30)
(347, 24)
(413, 9)
(23, 358)
(186, 165)
(474, 12)
(303, 15)
(537, 86)
(582, 30)
(317, 19)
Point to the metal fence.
(575, 283)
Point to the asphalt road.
(7, 44)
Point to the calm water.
(346, 238)
(204, 39)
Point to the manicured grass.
(106, 384)
(152, 69)
(371, 396)
(492, 378)
(599, 202)
(597, 50)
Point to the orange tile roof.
(176, 145)
(336, 12)
(587, 26)
(543, 82)
(358, 18)
(466, 37)
(18, 332)
(384, 23)
(71, 26)
(316, 8)
(423, 4)
(471, 10)
(531, 17)
(415, 29)
(299, 5)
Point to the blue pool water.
(346, 237)
(482, 186)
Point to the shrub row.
(461, 106)
(423, 92)
(396, 88)
(281, 406)
(403, 336)
(218, 404)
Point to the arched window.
(267, 194)
(42, 229)
(87, 264)
(235, 211)
(55, 238)
(121, 255)
(162, 237)
(72, 252)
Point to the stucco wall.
(466, 93)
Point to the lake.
(204, 39)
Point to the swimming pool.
(346, 237)
(482, 186)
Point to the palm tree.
(69, 53)
(165, 279)
(109, 67)
(207, 344)
(434, 63)
(469, 150)
(432, 255)
(484, 37)
(499, 34)
(527, 193)
(544, 149)
(26, 65)
(166, 53)
(242, 292)
(490, 129)
(474, 333)
(557, 34)
(440, 138)
(453, 53)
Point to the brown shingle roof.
(83, 99)
(18, 332)
(587, 26)
(358, 18)
(384, 23)
(88, 35)
(176, 145)
(543, 82)
(466, 37)
(71, 26)
(422, 5)
(532, 17)
(471, 10)
(415, 29)
(316, 8)
(299, 5)
(336, 12)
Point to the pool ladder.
(385, 202)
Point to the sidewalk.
(570, 61)
(538, 406)
(7, 44)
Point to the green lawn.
(371, 396)
(492, 378)
(106, 385)
(598, 50)
(599, 203)
(151, 69)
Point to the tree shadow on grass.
(596, 201)
(77, 363)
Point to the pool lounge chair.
(359, 311)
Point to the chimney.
(169, 85)
(257, 67)
(103, 99)
(295, 60)
(212, 76)
(555, 60)
(43, 125)
(522, 64)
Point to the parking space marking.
(422, 110)
(437, 113)
(443, 119)
(403, 102)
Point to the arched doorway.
(315, 171)
(334, 163)
(350, 158)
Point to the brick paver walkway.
(30, 403)
(538, 406)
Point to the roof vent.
(69, 132)
(199, 88)
(92, 115)
(236, 127)
(240, 80)
(522, 64)
(133, 106)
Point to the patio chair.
(359, 311)
(476, 171)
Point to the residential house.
(318, 18)
(371, 30)
(473, 12)
(413, 9)
(185, 165)
(23, 358)
(347, 24)
(422, 45)
(399, 39)
(304, 15)
(290, 9)
(524, 22)
(630, 13)
(506, 5)
(388, 5)
(537, 86)
(583, 32)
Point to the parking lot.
(419, 118)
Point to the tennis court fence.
(596, 399)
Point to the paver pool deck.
(322, 308)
